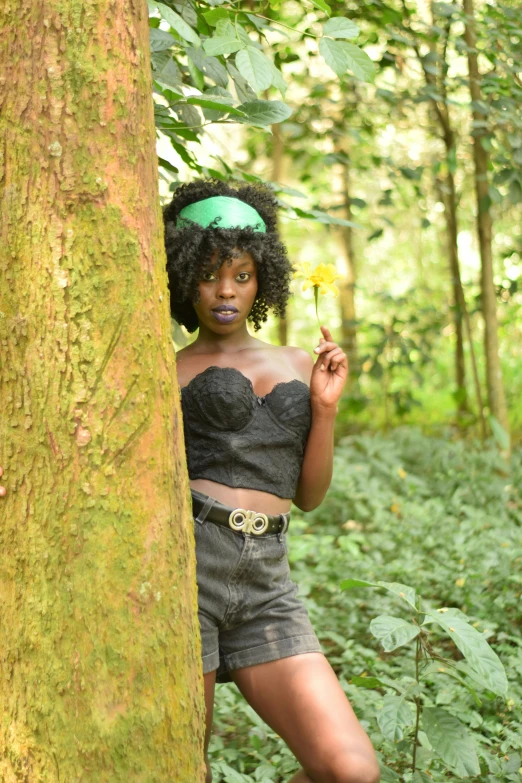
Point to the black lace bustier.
(236, 438)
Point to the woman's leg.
(210, 684)
(300, 698)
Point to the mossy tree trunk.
(278, 156)
(347, 284)
(495, 384)
(99, 658)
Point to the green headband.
(226, 212)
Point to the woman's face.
(227, 294)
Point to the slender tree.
(99, 663)
(496, 395)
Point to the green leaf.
(212, 17)
(166, 164)
(402, 591)
(393, 632)
(358, 62)
(217, 103)
(160, 40)
(222, 44)
(394, 716)
(210, 66)
(366, 682)
(178, 24)
(322, 5)
(348, 584)
(450, 740)
(421, 777)
(334, 56)
(476, 651)
(500, 434)
(340, 27)
(170, 75)
(255, 67)
(266, 112)
(277, 78)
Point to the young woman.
(258, 425)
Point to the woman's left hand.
(329, 373)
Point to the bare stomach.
(249, 499)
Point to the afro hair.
(190, 249)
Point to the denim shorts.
(249, 612)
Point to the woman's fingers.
(325, 345)
(2, 489)
(334, 358)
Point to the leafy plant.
(408, 708)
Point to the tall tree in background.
(100, 663)
(496, 395)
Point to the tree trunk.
(347, 284)
(100, 657)
(450, 214)
(496, 396)
(278, 152)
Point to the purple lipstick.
(225, 314)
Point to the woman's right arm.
(2, 489)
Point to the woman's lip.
(224, 319)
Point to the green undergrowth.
(445, 518)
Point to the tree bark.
(496, 395)
(278, 152)
(347, 284)
(100, 656)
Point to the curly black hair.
(189, 250)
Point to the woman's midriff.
(250, 499)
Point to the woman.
(258, 425)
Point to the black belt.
(239, 520)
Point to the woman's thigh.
(301, 699)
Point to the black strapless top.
(236, 438)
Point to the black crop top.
(236, 438)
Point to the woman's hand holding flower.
(328, 375)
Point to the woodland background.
(376, 171)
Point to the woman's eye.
(208, 276)
(243, 276)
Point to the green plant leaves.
(255, 67)
(216, 102)
(160, 40)
(358, 62)
(393, 632)
(401, 591)
(342, 56)
(322, 5)
(474, 647)
(178, 24)
(340, 27)
(395, 715)
(334, 56)
(222, 44)
(265, 112)
(450, 740)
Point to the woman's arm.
(328, 376)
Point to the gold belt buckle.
(244, 521)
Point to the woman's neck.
(208, 341)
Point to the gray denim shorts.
(249, 612)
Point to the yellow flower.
(322, 277)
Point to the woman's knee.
(350, 768)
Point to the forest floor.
(445, 518)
